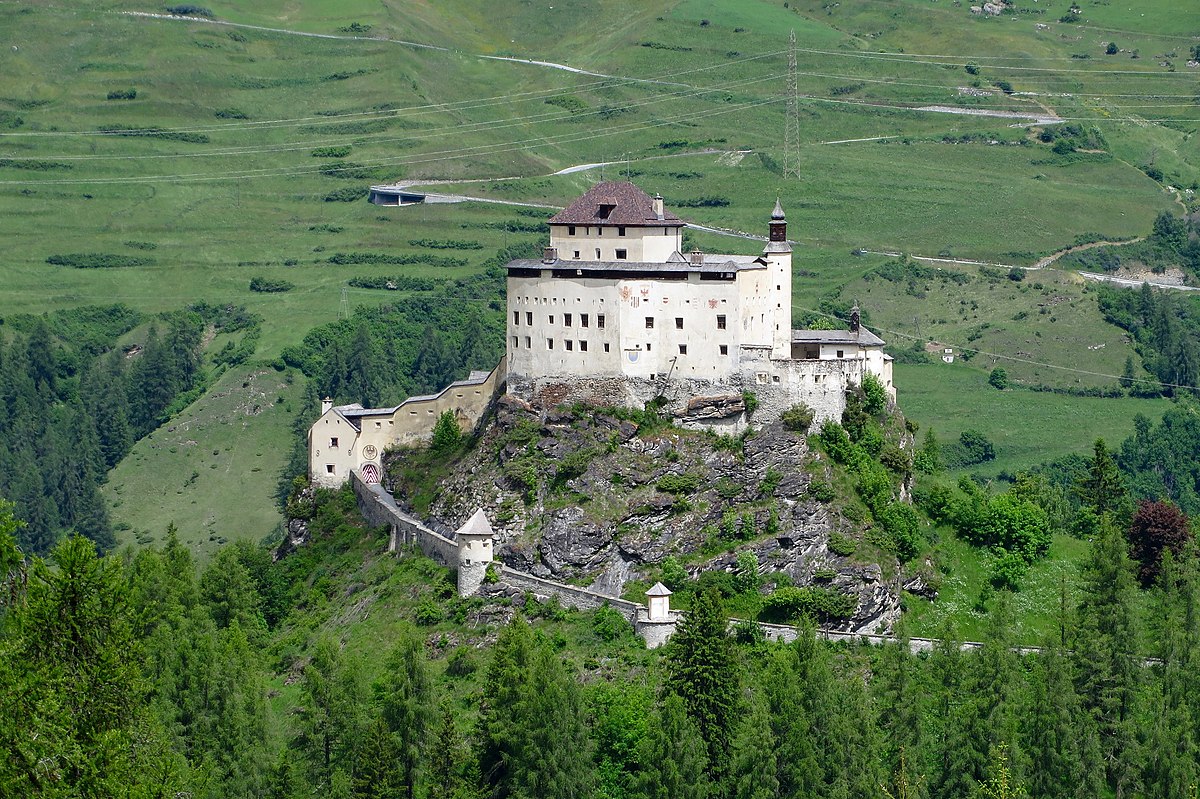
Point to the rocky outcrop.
(594, 499)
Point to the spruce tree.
(701, 669)
(672, 757)
(755, 766)
(407, 704)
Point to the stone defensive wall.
(468, 400)
(380, 510)
(569, 595)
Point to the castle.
(615, 314)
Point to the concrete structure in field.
(349, 438)
(614, 314)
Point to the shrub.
(819, 603)
(346, 195)
(230, 113)
(833, 437)
(998, 378)
(428, 613)
(841, 545)
(875, 401)
(122, 94)
(461, 662)
(188, 10)
(97, 260)
(673, 574)
(261, 284)
(901, 527)
(447, 435)
(1007, 571)
(751, 401)
(331, 152)
(797, 418)
(679, 483)
(609, 625)
(821, 491)
(977, 447)
(895, 459)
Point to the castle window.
(621, 254)
(516, 317)
(683, 349)
(551, 318)
(329, 468)
(620, 231)
(724, 349)
(720, 321)
(571, 232)
(566, 320)
(649, 322)
(605, 211)
(774, 378)
(841, 353)
(570, 345)
(549, 343)
(679, 323)
(378, 425)
(597, 253)
(606, 346)
(515, 345)
(529, 317)
(600, 321)
(583, 320)
(527, 343)
(647, 346)
(583, 346)
(577, 255)
(333, 443)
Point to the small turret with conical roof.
(474, 553)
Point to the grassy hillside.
(217, 152)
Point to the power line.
(791, 124)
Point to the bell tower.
(778, 255)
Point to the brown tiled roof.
(614, 203)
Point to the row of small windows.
(571, 345)
(599, 231)
(585, 320)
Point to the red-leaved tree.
(1157, 526)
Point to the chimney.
(658, 206)
(696, 258)
(549, 255)
(326, 405)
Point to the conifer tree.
(1107, 656)
(672, 757)
(798, 769)
(701, 669)
(407, 706)
(753, 775)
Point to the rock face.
(597, 500)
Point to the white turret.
(474, 553)
(778, 254)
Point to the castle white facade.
(615, 314)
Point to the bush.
(679, 483)
(346, 195)
(428, 613)
(820, 604)
(797, 418)
(331, 152)
(673, 574)
(895, 459)
(751, 401)
(461, 662)
(976, 447)
(998, 378)
(261, 284)
(447, 435)
(875, 395)
(1007, 571)
(901, 528)
(609, 625)
(841, 545)
(122, 94)
(189, 10)
(821, 491)
(833, 437)
(97, 260)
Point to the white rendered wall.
(647, 245)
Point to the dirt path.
(1049, 259)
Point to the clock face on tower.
(369, 452)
